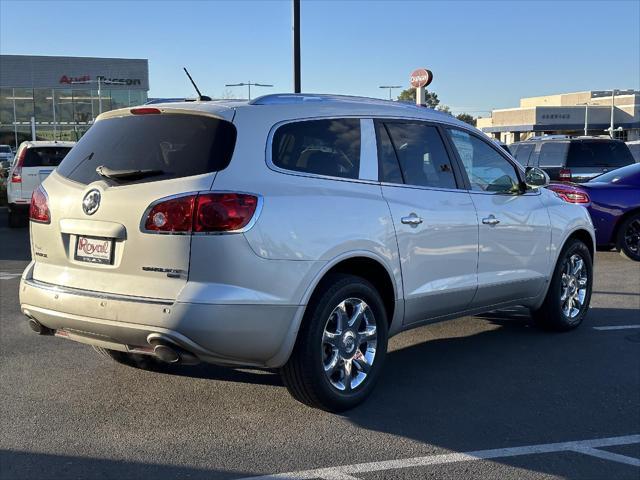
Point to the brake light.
(570, 194)
(145, 111)
(16, 174)
(39, 207)
(565, 175)
(206, 212)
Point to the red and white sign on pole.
(420, 78)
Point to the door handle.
(413, 220)
(490, 220)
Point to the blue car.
(613, 200)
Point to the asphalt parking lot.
(476, 397)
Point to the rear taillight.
(16, 173)
(39, 208)
(565, 175)
(205, 212)
(570, 194)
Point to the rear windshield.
(175, 145)
(5, 149)
(522, 152)
(599, 153)
(45, 156)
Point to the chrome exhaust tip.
(37, 327)
(166, 353)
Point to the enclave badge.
(91, 202)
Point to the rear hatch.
(587, 159)
(96, 239)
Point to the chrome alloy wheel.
(574, 286)
(349, 343)
(632, 237)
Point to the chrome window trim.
(244, 229)
(93, 294)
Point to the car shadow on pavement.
(224, 374)
(14, 242)
(17, 464)
(513, 384)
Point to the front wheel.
(629, 238)
(341, 345)
(569, 294)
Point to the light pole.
(586, 117)
(297, 83)
(390, 87)
(248, 85)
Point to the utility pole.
(297, 85)
(390, 87)
(248, 85)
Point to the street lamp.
(248, 85)
(390, 87)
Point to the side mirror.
(534, 177)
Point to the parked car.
(6, 154)
(34, 162)
(634, 148)
(577, 159)
(295, 232)
(613, 200)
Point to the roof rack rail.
(296, 98)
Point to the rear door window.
(419, 152)
(322, 147)
(553, 154)
(174, 145)
(599, 153)
(44, 156)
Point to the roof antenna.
(201, 98)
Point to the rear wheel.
(629, 238)
(569, 294)
(136, 360)
(341, 345)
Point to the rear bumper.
(256, 335)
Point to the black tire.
(304, 373)
(552, 315)
(628, 241)
(136, 360)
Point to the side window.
(488, 171)
(388, 167)
(553, 154)
(523, 152)
(321, 147)
(420, 153)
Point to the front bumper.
(252, 335)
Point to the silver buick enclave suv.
(295, 232)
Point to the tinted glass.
(487, 170)
(522, 152)
(5, 149)
(44, 156)
(553, 154)
(421, 155)
(599, 153)
(388, 168)
(321, 147)
(178, 145)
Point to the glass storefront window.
(119, 99)
(137, 97)
(82, 108)
(64, 106)
(43, 106)
(24, 104)
(6, 106)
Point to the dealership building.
(49, 98)
(567, 114)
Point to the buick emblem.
(91, 202)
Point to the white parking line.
(586, 447)
(9, 276)
(617, 327)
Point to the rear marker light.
(202, 213)
(39, 207)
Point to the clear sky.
(484, 55)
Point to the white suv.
(34, 162)
(295, 232)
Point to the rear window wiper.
(131, 174)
